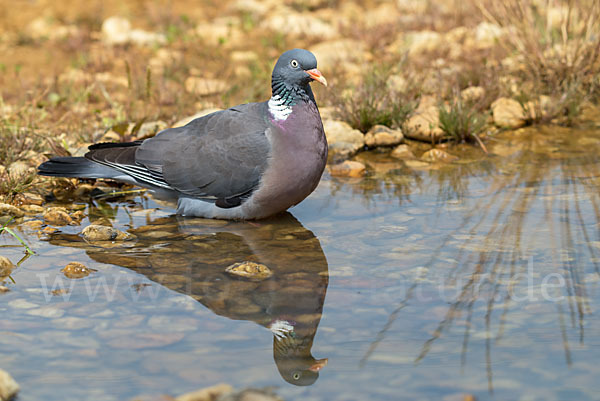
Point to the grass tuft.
(374, 102)
(461, 121)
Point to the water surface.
(417, 282)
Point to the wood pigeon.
(247, 162)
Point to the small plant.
(373, 102)
(16, 236)
(461, 121)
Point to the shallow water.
(416, 282)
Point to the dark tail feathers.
(77, 167)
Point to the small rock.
(18, 169)
(221, 31)
(144, 38)
(207, 394)
(76, 270)
(116, 30)
(424, 125)
(251, 394)
(381, 135)
(342, 138)
(402, 152)
(299, 25)
(150, 129)
(10, 210)
(472, 94)
(187, 120)
(28, 198)
(48, 230)
(33, 224)
(4, 289)
(8, 386)
(339, 53)
(348, 169)
(111, 136)
(95, 232)
(250, 270)
(6, 266)
(32, 209)
(508, 113)
(204, 86)
(438, 155)
(423, 42)
(57, 216)
(487, 34)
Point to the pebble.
(6, 266)
(8, 386)
(381, 135)
(402, 152)
(348, 169)
(187, 120)
(10, 210)
(438, 155)
(76, 270)
(57, 216)
(207, 394)
(250, 270)
(343, 140)
(4, 289)
(32, 209)
(204, 86)
(95, 232)
(424, 125)
(508, 113)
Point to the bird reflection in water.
(192, 254)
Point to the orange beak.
(317, 76)
(319, 363)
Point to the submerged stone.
(6, 266)
(8, 386)
(250, 270)
(348, 169)
(57, 216)
(76, 270)
(95, 232)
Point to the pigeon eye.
(294, 63)
(296, 375)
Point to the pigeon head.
(294, 360)
(293, 73)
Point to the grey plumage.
(249, 161)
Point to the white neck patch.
(280, 328)
(278, 109)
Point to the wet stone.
(95, 232)
(6, 266)
(348, 169)
(32, 209)
(10, 210)
(76, 270)
(438, 155)
(8, 386)
(402, 152)
(250, 270)
(207, 394)
(57, 216)
(381, 135)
